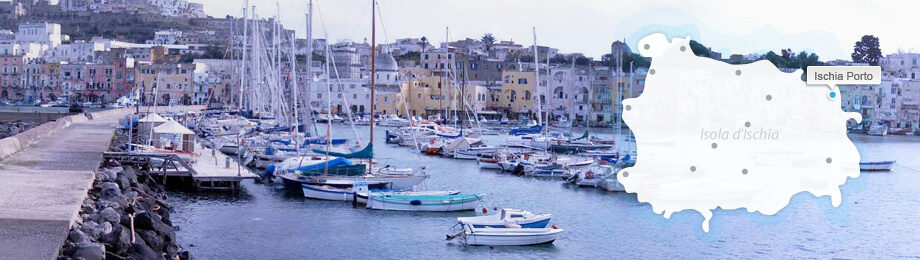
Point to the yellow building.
(432, 96)
(517, 93)
(173, 82)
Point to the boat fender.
(415, 202)
(485, 210)
(555, 227)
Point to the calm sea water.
(878, 218)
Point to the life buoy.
(589, 175)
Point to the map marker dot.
(647, 46)
(651, 71)
(747, 124)
(769, 97)
(625, 174)
(693, 168)
(738, 72)
(628, 107)
(829, 160)
(683, 48)
(744, 171)
(715, 145)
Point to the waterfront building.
(172, 83)
(10, 83)
(517, 98)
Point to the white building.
(346, 93)
(79, 51)
(40, 33)
(166, 37)
(568, 92)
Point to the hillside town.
(200, 63)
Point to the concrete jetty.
(45, 177)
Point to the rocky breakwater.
(124, 216)
(11, 128)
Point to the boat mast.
(571, 119)
(328, 111)
(536, 69)
(308, 115)
(373, 68)
(295, 91)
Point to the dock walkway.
(43, 186)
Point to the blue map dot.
(833, 94)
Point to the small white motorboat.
(506, 236)
(508, 217)
(338, 189)
(876, 166)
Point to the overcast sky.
(828, 27)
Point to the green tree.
(699, 49)
(424, 43)
(867, 50)
(488, 40)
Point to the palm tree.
(489, 41)
(423, 43)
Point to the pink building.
(10, 82)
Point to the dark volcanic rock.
(154, 241)
(89, 251)
(109, 215)
(108, 190)
(118, 241)
(76, 236)
(141, 251)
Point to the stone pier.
(44, 177)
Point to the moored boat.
(411, 202)
(508, 236)
(876, 166)
(506, 217)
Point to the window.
(522, 81)
(319, 95)
(894, 91)
(426, 57)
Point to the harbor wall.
(40, 117)
(12, 144)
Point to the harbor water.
(877, 218)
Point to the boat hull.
(510, 236)
(876, 166)
(421, 203)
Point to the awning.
(172, 127)
(153, 118)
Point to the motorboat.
(506, 236)
(876, 166)
(592, 176)
(507, 217)
(362, 194)
(414, 202)
(392, 121)
(879, 129)
(338, 189)
(490, 161)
